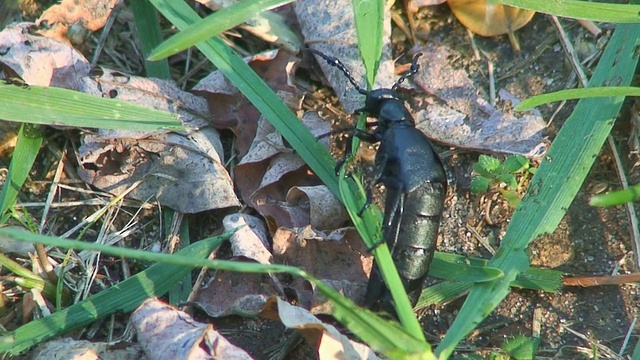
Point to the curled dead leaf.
(168, 333)
(324, 337)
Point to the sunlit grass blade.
(618, 197)
(150, 35)
(30, 139)
(382, 335)
(125, 296)
(444, 266)
(369, 16)
(159, 278)
(368, 227)
(578, 9)
(56, 106)
(214, 25)
(449, 267)
(573, 94)
(554, 185)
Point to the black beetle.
(415, 181)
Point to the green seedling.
(491, 173)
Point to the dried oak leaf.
(324, 337)
(343, 264)
(463, 119)
(233, 293)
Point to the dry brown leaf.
(269, 170)
(234, 293)
(90, 14)
(324, 337)
(71, 349)
(345, 264)
(168, 333)
(183, 173)
(469, 121)
(188, 174)
(325, 210)
(41, 61)
(250, 239)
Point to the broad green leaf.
(514, 164)
(479, 184)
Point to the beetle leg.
(367, 201)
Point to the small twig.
(570, 51)
(536, 325)
(52, 192)
(481, 239)
(474, 46)
(600, 347)
(631, 211)
(492, 80)
(589, 281)
(590, 27)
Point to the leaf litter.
(305, 221)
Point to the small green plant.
(490, 172)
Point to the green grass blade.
(24, 155)
(618, 197)
(573, 94)
(213, 25)
(455, 267)
(555, 184)
(382, 335)
(56, 106)
(369, 16)
(578, 9)
(442, 292)
(149, 32)
(125, 296)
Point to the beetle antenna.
(337, 63)
(412, 71)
